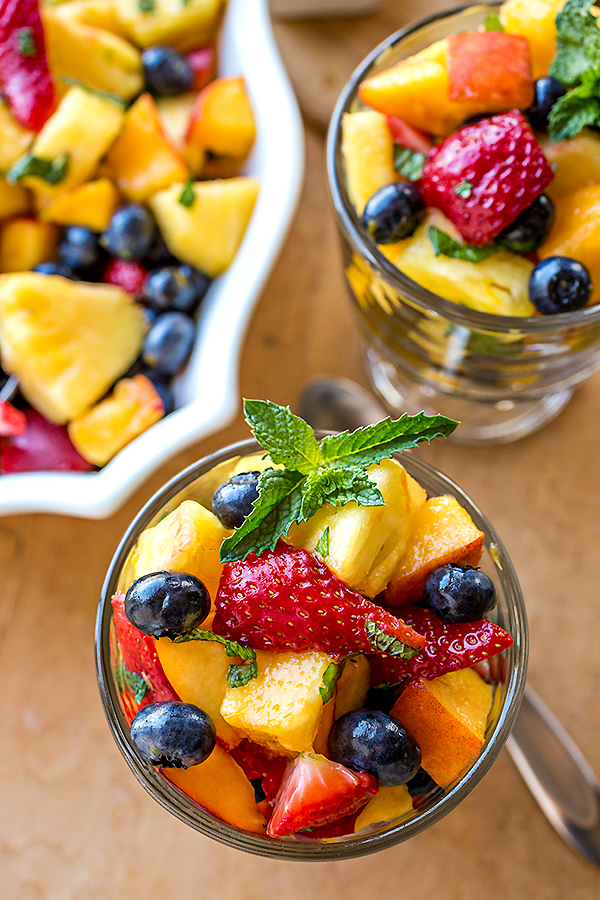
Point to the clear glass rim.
(349, 223)
(355, 845)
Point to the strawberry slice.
(404, 134)
(138, 669)
(484, 175)
(448, 648)
(24, 74)
(203, 63)
(126, 273)
(41, 447)
(287, 599)
(317, 791)
(12, 421)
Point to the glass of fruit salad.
(466, 187)
(307, 649)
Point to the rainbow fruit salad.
(310, 657)
(474, 164)
(121, 199)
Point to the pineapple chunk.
(182, 25)
(282, 707)
(352, 686)
(14, 139)
(368, 151)
(91, 205)
(534, 20)
(388, 804)
(97, 13)
(496, 285)
(25, 242)
(96, 57)
(366, 542)
(187, 540)
(206, 234)
(14, 199)
(66, 341)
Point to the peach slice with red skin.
(474, 60)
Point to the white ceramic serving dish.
(207, 392)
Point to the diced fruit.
(474, 60)
(131, 232)
(535, 21)
(96, 57)
(167, 72)
(502, 168)
(175, 115)
(531, 227)
(220, 786)
(447, 716)
(548, 91)
(353, 685)
(459, 593)
(394, 212)
(91, 205)
(25, 242)
(180, 288)
(368, 152)
(181, 25)
(41, 447)
(14, 138)
(25, 79)
(283, 705)
(169, 343)
(100, 432)
(203, 62)
(12, 421)
(576, 230)
(98, 13)
(167, 604)
(258, 761)
(389, 804)
(316, 791)
(79, 250)
(407, 136)
(560, 284)
(187, 540)
(443, 532)
(173, 734)
(207, 233)
(320, 744)
(221, 122)
(129, 274)
(576, 164)
(14, 199)
(142, 159)
(365, 543)
(370, 740)
(234, 498)
(66, 341)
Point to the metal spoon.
(550, 763)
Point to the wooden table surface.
(74, 822)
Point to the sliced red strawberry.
(448, 648)
(404, 134)
(126, 273)
(287, 599)
(141, 675)
(339, 828)
(484, 175)
(317, 791)
(41, 447)
(24, 75)
(12, 421)
(203, 63)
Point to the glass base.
(481, 422)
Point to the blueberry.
(79, 248)
(393, 212)
(559, 284)
(164, 391)
(369, 740)
(547, 91)
(167, 604)
(169, 343)
(459, 593)
(130, 233)
(531, 228)
(56, 268)
(158, 254)
(173, 734)
(167, 72)
(232, 501)
(176, 287)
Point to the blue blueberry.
(158, 254)
(547, 91)
(79, 249)
(459, 593)
(559, 284)
(531, 228)
(232, 501)
(164, 391)
(130, 233)
(180, 288)
(169, 343)
(167, 72)
(167, 604)
(393, 212)
(56, 268)
(369, 740)
(173, 734)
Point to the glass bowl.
(502, 377)
(198, 482)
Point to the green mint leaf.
(492, 22)
(576, 109)
(322, 547)
(408, 163)
(330, 678)
(187, 196)
(287, 438)
(445, 245)
(577, 42)
(464, 189)
(52, 171)
(26, 41)
(96, 92)
(276, 508)
(137, 684)
(386, 643)
(146, 6)
(338, 485)
(238, 675)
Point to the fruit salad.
(474, 164)
(122, 196)
(307, 651)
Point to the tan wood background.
(75, 824)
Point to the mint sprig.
(577, 109)
(331, 471)
(53, 171)
(238, 675)
(444, 245)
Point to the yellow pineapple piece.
(207, 233)
(97, 13)
(91, 204)
(576, 164)
(25, 242)
(181, 25)
(353, 685)
(14, 199)
(576, 232)
(100, 432)
(94, 56)
(388, 804)
(368, 151)
(67, 341)
(496, 285)
(187, 540)
(14, 138)
(534, 20)
(283, 706)
(366, 542)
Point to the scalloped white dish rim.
(208, 390)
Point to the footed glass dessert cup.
(506, 675)
(502, 377)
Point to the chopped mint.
(330, 678)
(386, 643)
(104, 95)
(137, 684)
(332, 471)
(492, 21)
(146, 6)
(408, 162)
(444, 245)
(26, 41)
(238, 675)
(464, 189)
(187, 196)
(577, 42)
(51, 170)
(322, 547)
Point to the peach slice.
(577, 230)
(474, 60)
(221, 122)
